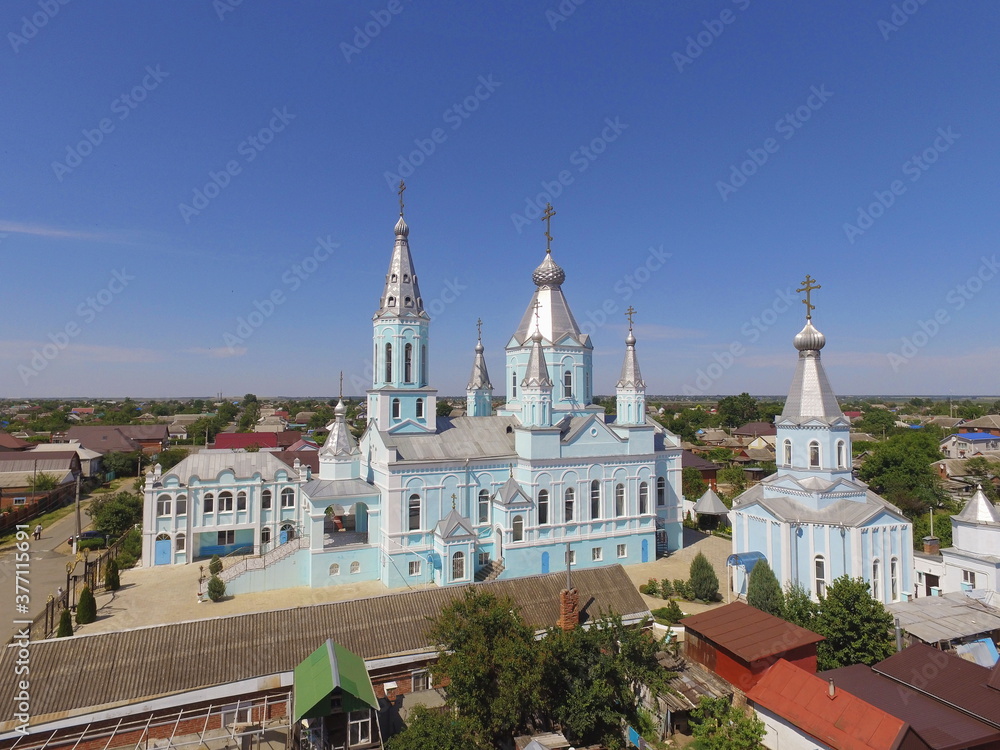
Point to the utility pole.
(78, 506)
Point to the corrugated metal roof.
(710, 504)
(690, 682)
(208, 464)
(748, 632)
(844, 721)
(458, 438)
(950, 617)
(127, 667)
(849, 512)
(321, 489)
(947, 677)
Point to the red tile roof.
(845, 721)
(11, 443)
(306, 458)
(757, 428)
(237, 440)
(288, 437)
(749, 633)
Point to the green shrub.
(649, 588)
(682, 589)
(65, 624)
(704, 582)
(82, 544)
(112, 581)
(215, 565)
(86, 608)
(130, 550)
(668, 615)
(666, 588)
(216, 588)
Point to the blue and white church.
(546, 480)
(812, 520)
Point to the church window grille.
(513, 385)
(209, 502)
(484, 506)
(595, 499)
(569, 500)
(388, 363)
(265, 499)
(543, 507)
(414, 510)
(841, 463)
(420, 408)
(335, 569)
(661, 491)
(458, 566)
(225, 501)
(568, 384)
(288, 498)
(894, 578)
(643, 498)
(619, 499)
(163, 505)
(408, 363)
(517, 529)
(395, 408)
(820, 569)
(814, 455)
(788, 452)
(241, 500)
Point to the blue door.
(162, 552)
(283, 536)
(545, 562)
(645, 550)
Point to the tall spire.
(340, 441)
(630, 394)
(401, 295)
(810, 394)
(480, 377)
(631, 377)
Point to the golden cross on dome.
(537, 306)
(549, 213)
(808, 288)
(341, 385)
(402, 187)
(628, 314)
(479, 327)
(453, 498)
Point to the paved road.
(45, 574)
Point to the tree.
(704, 582)
(718, 725)
(738, 410)
(877, 422)
(86, 608)
(215, 565)
(216, 588)
(116, 514)
(487, 655)
(735, 477)
(900, 469)
(764, 591)
(800, 609)
(444, 407)
(857, 628)
(693, 485)
(435, 729)
(720, 455)
(112, 581)
(65, 624)
(983, 471)
(169, 458)
(43, 482)
(124, 464)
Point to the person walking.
(38, 532)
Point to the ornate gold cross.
(402, 187)
(628, 314)
(479, 327)
(549, 213)
(808, 288)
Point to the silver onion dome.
(809, 339)
(402, 230)
(548, 273)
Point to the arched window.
(423, 365)
(395, 408)
(513, 385)
(209, 502)
(182, 505)
(179, 542)
(388, 363)
(335, 569)
(392, 302)
(414, 510)
(355, 567)
(265, 499)
(241, 500)
(484, 506)
(661, 491)
(595, 499)
(517, 529)
(643, 498)
(225, 501)
(543, 507)
(820, 570)
(876, 579)
(163, 505)
(265, 535)
(288, 498)
(567, 384)
(841, 462)
(894, 578)
(408, 302)
(288, 530)
(408, 362)
(619, 499)
(420, 408)
(458, 566)
(569, 498)
(788, 452)
(406, 278)
(813, 455)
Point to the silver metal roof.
(555, 320)
(945, 618)
(846, 512)
(480, 378)
(810, 395)
(631, 377)
(340, 441)
(709, 504)
(536, 374)
(458, 438)
(325, 489)
(979, 509)
(209, 464)
(401, 295)
(454, 525)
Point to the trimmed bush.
(215, 565)
(650, 588)
(666, 588)
(216, 588)
(682, 589)
(130, 550)
(112, 581)
(65, 624)
(86, 608)
(669, 615)
(82, 544)
(764, 591)
(704, 582)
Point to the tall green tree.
(764, 591)
(435, 729)
(704, 581)
(857, 627)
(86, 608)
(800, 609)
(718, 725)
(900, 469)
(116, 514)
(738, 410)
(692, 485)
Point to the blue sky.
(702, 159)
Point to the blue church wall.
(208, 543)
(290, 571)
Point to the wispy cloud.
(53, 232)
(222, 352)
(15, 350)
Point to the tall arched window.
(569, 498)
(820, 570)
(225, 501)
(395, 408)
(458, 566)
(414, 509)
(841, 458)
(420, 408)
(894, 578)
(513, 385)
(813, 455)
(876, 579)
(179, 542)
(408, 363)
(567, 384)
(265, 499)
(423, 365)
(595, 499)
(265, 535)
(288, 498)
(788, 452)
(661, 491)
(388, 363)
(543, 507)
(619, 499)
(241, 500)
(484, 506)
(517, 529)
(208, 503)
(643, 498)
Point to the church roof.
(842, 511)
(710, 504)
(454, 525)
(401, 295)
(340, 441)
(206, 465)
(810, 394)
(480, 378)
(979, 509)
(630, 377)
(555, 319)
(536, 374)
(512, 493)
(325, 489)
(458, 438)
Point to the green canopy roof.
(329, 671)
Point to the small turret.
(479, 392)
(631, 389)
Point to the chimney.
(831, 691)
(932, 545)
(569, 617)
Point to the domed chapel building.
(419, 498)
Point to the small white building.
(973, 560)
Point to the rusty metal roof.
(940, 726)
(128, 667)
(844, 721)
(749, 633)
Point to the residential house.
(9, 443)
(947, 423)
(90, 461)
(756, 429)
(969, 444)
(708, 470)
(19, 470)
(244, 440)
(990, 423)
(948, 620)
